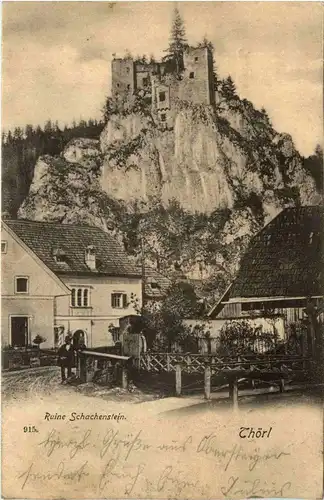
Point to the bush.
(240, 337)
(38, 340)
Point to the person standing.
(66, 358)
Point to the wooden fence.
(275, 369)
(196, 363)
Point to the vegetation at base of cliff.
(176, 241)
(314, 165)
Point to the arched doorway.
(79, 339)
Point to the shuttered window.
(119, 300)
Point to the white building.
(62, 278)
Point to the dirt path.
(33, 383)
(44, 384)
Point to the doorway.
(19, 331)
(79, 339)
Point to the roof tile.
(46, 238)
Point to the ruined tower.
(123, 80)
(197, 84)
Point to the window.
(73, 297)
(196, 59)
(163, 117)
(59, 255)
(154, 284)
(85, 297)
(22, 284)
(90, 257)
(60, 259)
(192, 74)
(128, 87)
(119, 300)
(80, 297)
(161, 96)
(145, 82)
(3, 247)
(118, 85)
(127, 70)
(115, 333)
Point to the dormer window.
(59, 255)
(90, 257)
(154, 284)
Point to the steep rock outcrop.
(207, 161)
(64, 191)
(197, 193)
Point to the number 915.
(30, 428)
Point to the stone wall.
(123, 77)
(196, 85)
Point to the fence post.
(124, 377)
(82, 368)
(282, 385)
(207, 382)
(168, 362)
(233, 392)
(178, 380)
(148, 362)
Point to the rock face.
(205, 162)
(65, 191)
(80, 150)
(216, 177)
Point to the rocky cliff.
(197, 192)
(208, 160)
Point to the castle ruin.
(160, 83)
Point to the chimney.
(90, 257)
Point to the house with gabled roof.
(282, 270)
(63, 278)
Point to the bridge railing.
(196, 363)
(91, 362)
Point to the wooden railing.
(196, 363)
(91, 362)
(275, 369)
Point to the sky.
(56, 56)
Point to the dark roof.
(155, 284)
(47, 239)
(285, 258)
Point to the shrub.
(240, 337)
(38, 340)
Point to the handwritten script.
(133, 464)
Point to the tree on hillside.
(206, 43)
(177, 42)
(314, 165)
(228, 88)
